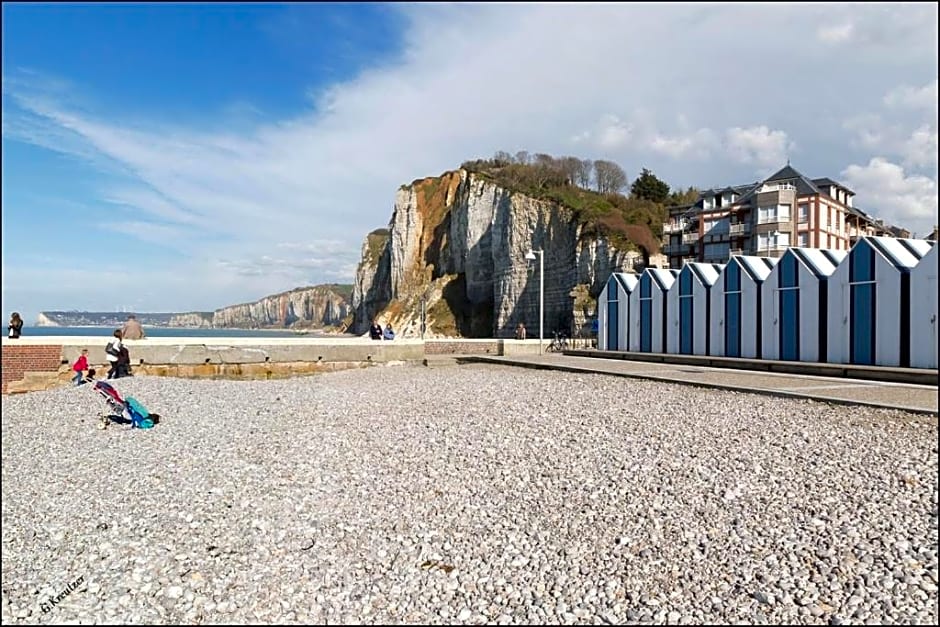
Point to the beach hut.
(736, 307)
(613, 312)
(649, 308)
(691, 307)
(870, 302)
(795, 305)
(924, 311)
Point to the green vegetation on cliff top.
(632, 222)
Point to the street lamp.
(530, 256)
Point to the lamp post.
(530, 256)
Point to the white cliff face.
(313, 306)
(464, 229)
(192, 320)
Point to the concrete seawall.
(34, 363)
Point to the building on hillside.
(767, 217)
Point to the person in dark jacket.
(15, 328)
(375, 331)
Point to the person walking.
(520, 332)
(79, 367)
(132, 329)
(113, 354)
(15, 328)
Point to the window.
(776, 213)
(717, 251)
(804, 212)
(803, 239)
(716, 226)
(771, 241)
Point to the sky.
(185, 157)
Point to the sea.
(171, 332)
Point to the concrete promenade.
(921, 399)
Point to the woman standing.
(15, 328)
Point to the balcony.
(776, 187)
(670, 227)
(740, 229)
(690, 238)
(774, 219)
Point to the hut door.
(862, 305)
(686, 313)
(613, 325)
(787, 313)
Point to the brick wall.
(461, 347)
(17, 360)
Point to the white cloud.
(920, 149)
(759, 145)
(836, 33)
(887, 192)
(472, 79)
(697, 145)
(908, 97)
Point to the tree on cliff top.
(609, 177)
(633, 222)
(649, 187)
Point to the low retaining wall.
(18, 359)
(33, 363)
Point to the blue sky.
(185, 157)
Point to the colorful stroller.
(129, 408)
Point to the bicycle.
(558, 344)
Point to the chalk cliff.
(455, 248)
(319, 306)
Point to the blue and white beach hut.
(870, 303)
(924, 311)
(795, 302)
(613, 312)
(649, 310)
(736, 307)
(691, 307)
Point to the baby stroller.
(129, 408)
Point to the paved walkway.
(921, 399)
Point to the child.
(79, 367)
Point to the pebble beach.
(466, 494)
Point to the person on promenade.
(388, 334)
(15, 329)
(132, 329)
(79, 367)
(375, 331)
(113, 350)
(520, 332)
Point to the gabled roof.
(828, 182)
(664, 278)
(758, 268)
(706, 273)
(901, 253)
(627, 280)
(821, 262)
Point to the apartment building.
(767, 217)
